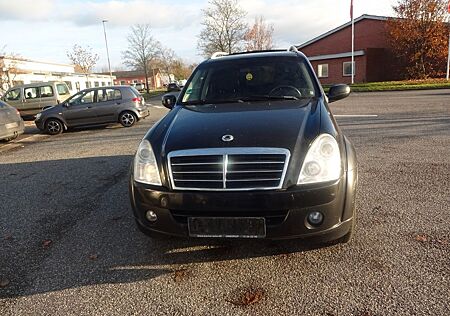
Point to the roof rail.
(218, 54)
(293, 49)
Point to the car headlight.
(38, 116)
(145, 165)
(322, 162)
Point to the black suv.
(250, 149)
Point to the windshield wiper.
(270, 97)
(203, 102)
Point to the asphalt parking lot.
(69, 245)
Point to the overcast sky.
(46, 29)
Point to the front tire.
(127, 118)
(53, 127)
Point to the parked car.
(173, 86)
(11, 124)
(139, 86)
(250, 149)
(102, 105)
(31, 99)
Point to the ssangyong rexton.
(250, 149)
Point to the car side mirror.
(169, 100)
(338, 92)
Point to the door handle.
(117, 103)
(89, 107)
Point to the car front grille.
(226, 169)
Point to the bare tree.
(8, 69)
(224, 27)
(83, 58)
(419, 37)
(259, 36)
(142, 50)
(165, 60)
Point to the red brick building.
(330, 53)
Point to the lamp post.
(107, 52)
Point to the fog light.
(151, 216)
(315, 218)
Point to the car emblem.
(227, 138)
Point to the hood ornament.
(227, 138)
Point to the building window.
(347, 68)
(96, 84)
(322, 71)
(122, 82)
(88, 84)
(103, 83)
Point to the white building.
(15, 71)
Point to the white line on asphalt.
(356, 115)
(158, 106)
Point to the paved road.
(69, 246)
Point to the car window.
(102, 96)
(135, 92)
(13, 95)
(247, 78)
(31, 93)
(62, 89)
(46, 91)
(117, 94)
(82, 98)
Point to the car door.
(31, 101)
(78, 110)
(14, 98)
(48, 96)
(105, 108)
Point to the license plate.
(227, 227)
(11, 125)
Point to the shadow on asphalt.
(82, 207)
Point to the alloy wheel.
(127, 119)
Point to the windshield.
(286, 78)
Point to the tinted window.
(13, 95)
(46, 91)
(31, 93)
(246, 78)
(62, 89)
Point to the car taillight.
(137, 100)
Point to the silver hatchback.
(102, 105)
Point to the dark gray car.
(11, 124)
(102, 105)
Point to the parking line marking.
(158, 106)
(355, 115)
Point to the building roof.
(343, 26)
(129, 73)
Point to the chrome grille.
(234, 168)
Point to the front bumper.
(285, 211)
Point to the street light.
(107, 52)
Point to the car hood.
(264, 124)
